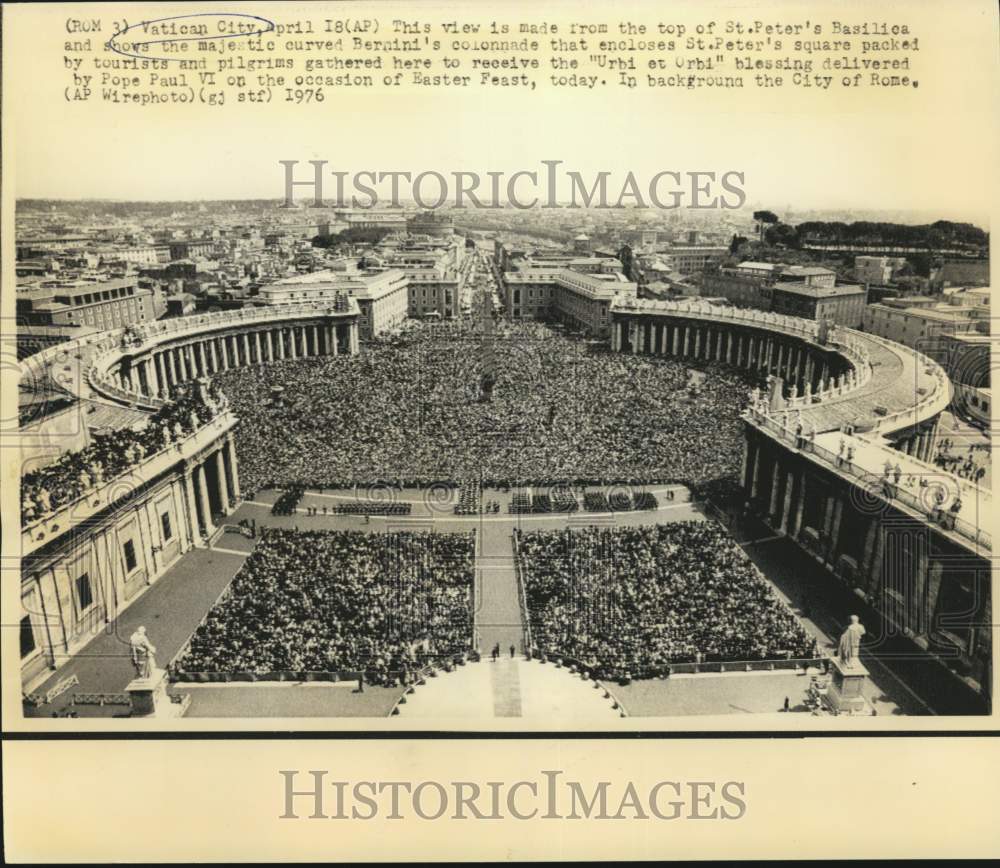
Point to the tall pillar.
(257, 352)
(772, 510)
(293, 350)
(335, 346)
(801, 505)
(786, 510)
(193, 359)
(755, 478)
(868, 549)
(317, 350)
(697, 341)
(874, 577)
(269, 341)
(934, 433)
(194, 527)
(676, 339)
(152, 377)
(838, 512)
(172, 364)
(687, 340)
(220, 468)
(354, 339)
(234, 473)
(204, 358)
(201, 486)
(246, 348)
(749, 460)
(280, 337)
(213, 355)
(161, 373)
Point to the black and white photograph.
(396, 368)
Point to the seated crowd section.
(628, 602)
(340, 601)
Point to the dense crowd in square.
(628, 602)
(341, 601)
(411, 410)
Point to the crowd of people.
(108, 455)
(964, 462)
(412, 410)
(628, 602)
(341, 601)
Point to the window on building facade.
(84, 593)
(28, 645)
(168, 531)
(128, 552)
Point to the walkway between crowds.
(498, 610)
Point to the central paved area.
(511, 688)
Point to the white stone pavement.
(510, 688)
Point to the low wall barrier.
(689, 667)
(445, 662)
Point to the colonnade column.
(194, 526)
(800, 507)
(220, 471)
(772, 509)
(234, 473)
(786, 510)
(201, 486)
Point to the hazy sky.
(932, 148)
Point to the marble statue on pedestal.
(142, 651)
(849, 649)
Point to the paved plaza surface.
(288, 699)
(511, 687)
(177, 602)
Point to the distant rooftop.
(819, 291)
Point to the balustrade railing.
(889, 489)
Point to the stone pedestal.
(148, 697)
(844, 695)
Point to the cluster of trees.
(353, 235)
(941, 235)
(627, 259)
